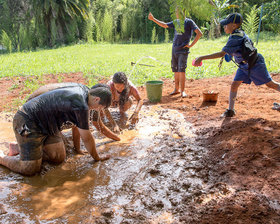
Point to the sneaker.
(228, 113)
(183, 95)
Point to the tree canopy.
(29, 24)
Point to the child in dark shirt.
(38, 123)
(180, 47)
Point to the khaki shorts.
(30, 137)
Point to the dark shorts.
(179, 60)
(258, 73)
(30, 138)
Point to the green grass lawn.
(98, 61)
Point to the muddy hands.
(134, 118)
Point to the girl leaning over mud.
(122, 89)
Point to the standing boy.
(180, 48)
(251, 68)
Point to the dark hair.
(101, 85)
(104, 94)
(121, 78)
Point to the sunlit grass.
(98, 61)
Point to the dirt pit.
(202, 169)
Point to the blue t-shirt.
(234, 45)
(182, 39)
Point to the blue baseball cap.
(232, 18)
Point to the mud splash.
(155, 168)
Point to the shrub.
(153, 38)
(251, 22)
(166, 36)
(6, 41)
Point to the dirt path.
(238, 159)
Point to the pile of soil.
(243, 156)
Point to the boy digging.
(252, 69)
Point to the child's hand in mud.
(117, 129)
(134, 118)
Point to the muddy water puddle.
(153, 171)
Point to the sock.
(232, 97)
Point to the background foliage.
(33, 24)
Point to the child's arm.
(112, 121)
(104, 130)
(160, 23)
(76, 140)
(209, 56)
(197, 37)
(134, 118)
(89, 143)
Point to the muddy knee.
(55, 152)
(30, 168)
(127, 104)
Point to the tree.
(251, 23)
(60, 13)
(14, 15)
(250, 2)
(107, 26)
(201, 9)
(220, 7)
(271, 20)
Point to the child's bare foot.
(13, 149)
(183, 94)
(175, 92)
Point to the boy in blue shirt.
(180, 48)
(257, 72)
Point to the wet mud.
(154, 170)
(165, 170)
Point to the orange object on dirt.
(210, 96)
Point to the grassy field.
(97, 61)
